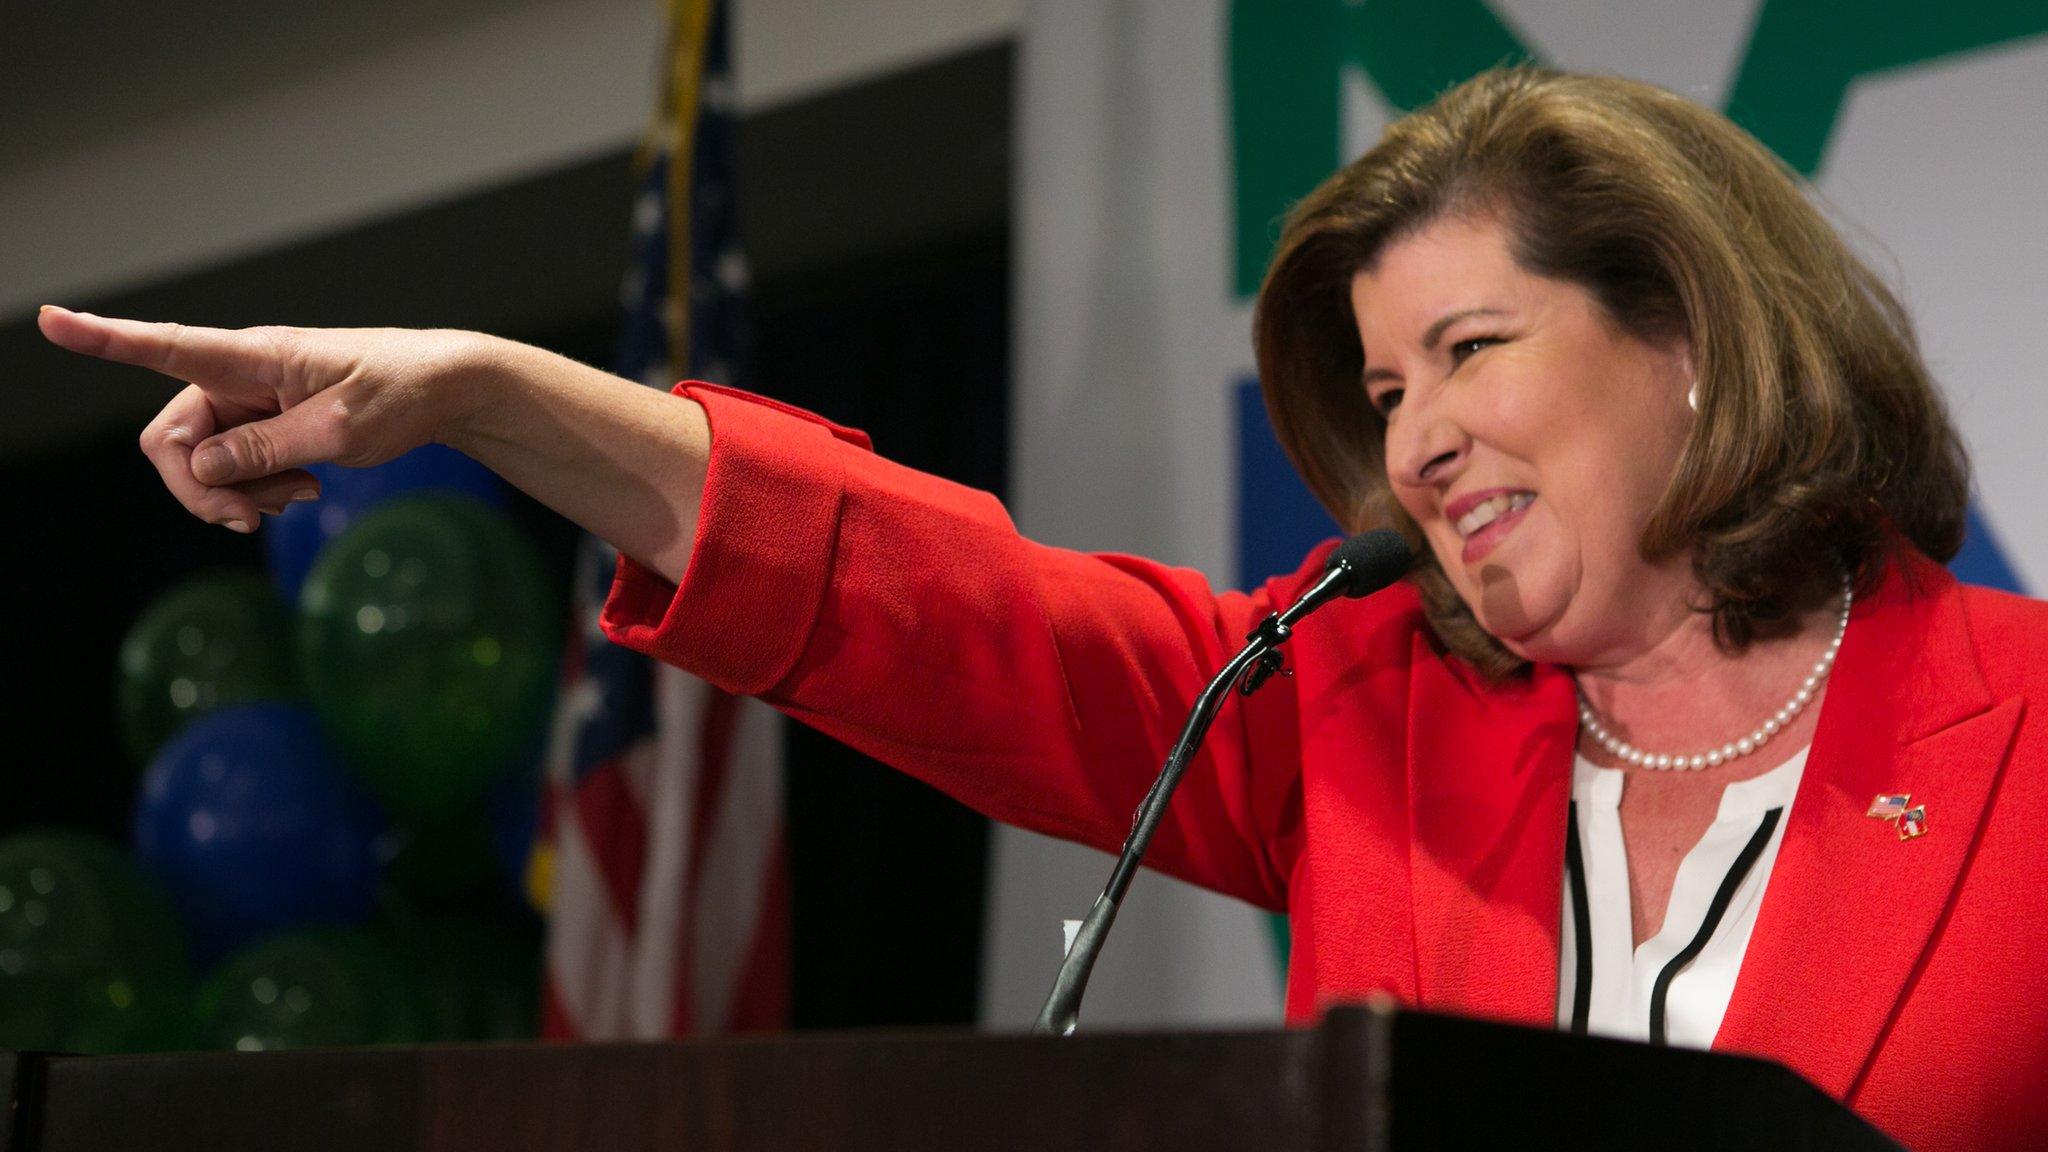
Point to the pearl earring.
(1692, 396)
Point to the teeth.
(1491, 510)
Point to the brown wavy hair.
(1820, 440)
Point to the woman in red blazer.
(1682, 480)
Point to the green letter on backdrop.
(1286, 57)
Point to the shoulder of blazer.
(2010, 634)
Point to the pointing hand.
(262, 403)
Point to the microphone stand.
(1249, 670)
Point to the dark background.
(877, 221)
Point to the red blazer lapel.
(1489, 778)
(1851, 908)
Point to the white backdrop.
(1131, 427)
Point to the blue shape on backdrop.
(1982, 560)
(1278, 520)
(292, 540)
(254, 827)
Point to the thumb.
(298, 436)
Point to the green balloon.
(428, 634)
(97, 1015)
(213, 641)
(75, 903)
(92, 956)
(311, 989)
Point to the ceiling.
(76, 73)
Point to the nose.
(1426, 451)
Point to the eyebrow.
(1430, 338)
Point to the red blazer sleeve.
(905, 616)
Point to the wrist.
(468, 387)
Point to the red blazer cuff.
(762, 557)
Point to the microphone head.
(1374, 559)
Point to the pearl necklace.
(1628, 753)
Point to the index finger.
(218, 354)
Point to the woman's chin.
(1524, 619)
(1515, 636)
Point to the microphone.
(1360, 566)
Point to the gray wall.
(146, 146)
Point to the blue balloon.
(253, 826)
(293, 539)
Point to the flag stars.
(647, 214)
(732, 270)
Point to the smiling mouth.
(1488, 511)
(1489, 522)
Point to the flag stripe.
(762, 1000)
(607, 813)
(714, 745)
(740, 839)
(588, 950)
(680, 707)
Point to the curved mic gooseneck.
(1360, 566)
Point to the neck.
(1684, 694)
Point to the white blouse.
(1674, 989)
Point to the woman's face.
(1530, 437)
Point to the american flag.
(662, 854)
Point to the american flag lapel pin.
(1910, 818)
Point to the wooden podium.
(1365, 1079)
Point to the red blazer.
(1406, 814)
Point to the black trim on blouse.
(1722, 898)
(1582, 924)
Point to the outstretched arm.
(897, 611)
(625, 462)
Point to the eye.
(1385, 400)
(1464, 348)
